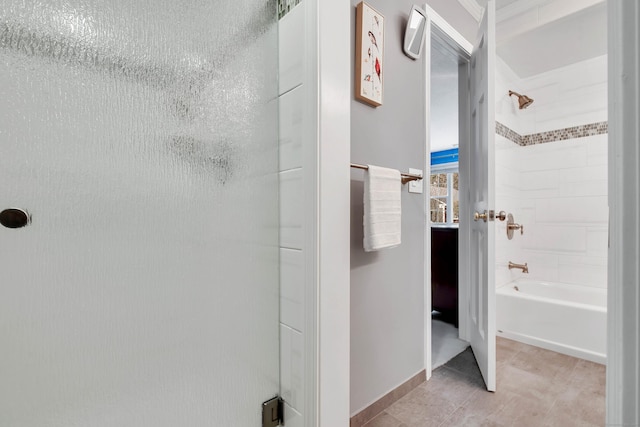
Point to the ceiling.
(535, 36)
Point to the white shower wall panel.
(564, 211)
(561, 186)
(568, 96)
(293, 223)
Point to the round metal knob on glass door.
(15, 218)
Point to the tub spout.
(523, 267)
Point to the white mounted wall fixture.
(623, 347)
(414, 32)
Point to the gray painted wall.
(387, 287)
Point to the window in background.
(444, 202)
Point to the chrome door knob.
(15, 218)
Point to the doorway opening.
(541, 177)
(448, 102)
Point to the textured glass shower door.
(142, 139)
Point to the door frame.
(437, 24)
(326, 207)
(623, 334)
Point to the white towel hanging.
(382, 208)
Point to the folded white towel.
(382, 212)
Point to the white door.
(482, 304)
(143, 142)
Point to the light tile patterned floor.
(536, 387)
(445, 344)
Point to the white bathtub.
(565, 318)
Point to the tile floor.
(536, 387)
(445, 344)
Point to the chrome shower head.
(523, 100)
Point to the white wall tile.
(508, 171)
(550, 193)
(502, 275)
(585, 275)
(291, 209)
(291, 35)
(556, 238)
(585, 181)
(539, 180)
(506, 110)
(292, 418)
(589, 173)
(526, 214)
(291, 367)
(573, 210)
(503, 145)
(546, 94)
(291, 120)
(598, 242)
(285, 361)
(292, 288)
(568, 96)
(555, 122)
(580, 106)
(597, 149)
(297, 370)
(582, 260)
(561, 195)
(291, 115)
(584, 188)
(551, 157)
(542, 265)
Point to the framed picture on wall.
(369, 55)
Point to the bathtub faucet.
(523, 267)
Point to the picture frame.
(369, 55)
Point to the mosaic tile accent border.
(511, 135)
(573, 132)
(285, 6)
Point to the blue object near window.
(444, 156)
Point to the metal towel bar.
(405, 177)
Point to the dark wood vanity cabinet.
(444, 272)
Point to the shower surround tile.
(573, 132)
(291, 288)
(291, 50)
(508, 133)
(291, 128)
(291, 58)
(291, 209)
(291, 367)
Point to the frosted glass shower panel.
(142, 139)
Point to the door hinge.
(273, 412)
